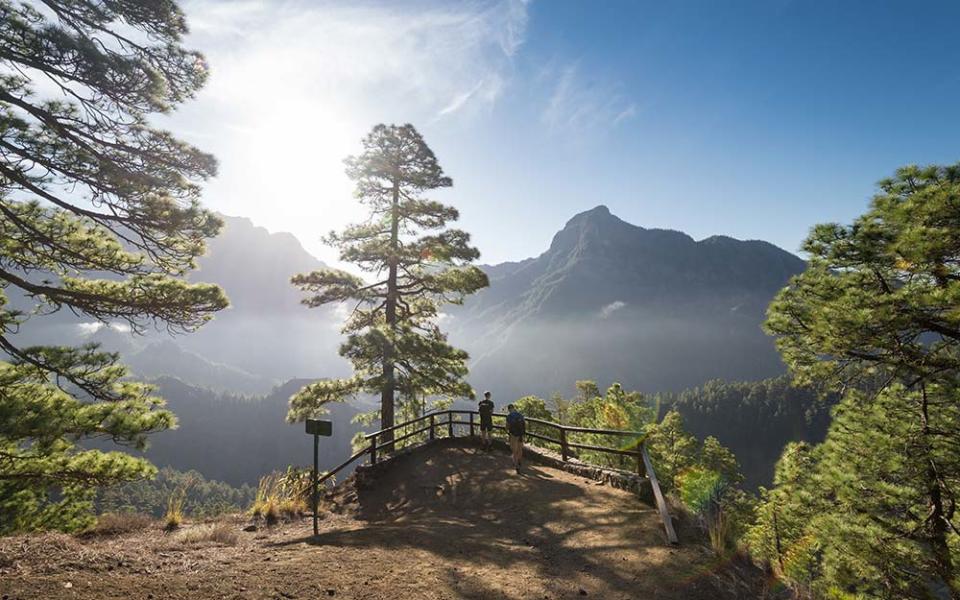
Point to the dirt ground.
(448, 521)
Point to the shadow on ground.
(541, 533)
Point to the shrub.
(118, 523)
(722, 509)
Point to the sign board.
(319, 427)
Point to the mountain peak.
(600, 209)
(597, 213)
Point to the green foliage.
(409, 410)
(672, 449)
(876, 315)
(855, 514)
(202, 498)
(100, 215)
(724, 510)
(561, 408)
(698, 486)
(720, 460)
(705, 477)
(394, 341)
(780, 532)
(617, 409)
(532, 407)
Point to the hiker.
(516, 427)
(486, 421)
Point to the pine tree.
(781, 533)
(672, 448)
(878, 309)
(99, 215)
(394, 341)
(718, 458)
(883, 535)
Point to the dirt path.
(448, 521)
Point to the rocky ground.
(447, 521)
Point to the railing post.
(432, 429)
(471, 423)
(641, 469)
(373, 450)
(564, 450)
(450, 423)
(658, 496)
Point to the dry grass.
(174, 515)
(282, 496)
(218, 533)
(119, 523)
(55, 553)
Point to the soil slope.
(447, 521)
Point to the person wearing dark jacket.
(516, 427)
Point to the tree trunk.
(942, 559)
(776, 540)
(389, 376)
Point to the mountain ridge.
(606, 288)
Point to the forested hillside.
(755, 420)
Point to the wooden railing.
(636, 449)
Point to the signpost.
(316, 428)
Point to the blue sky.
(750, 119)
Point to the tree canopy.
(99, 215)
(876, 316)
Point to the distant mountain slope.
(265, 334)
(254, 266)
(167, 358)
(608, 300)
(238, 440)
(266, 331)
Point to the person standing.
(516, 427)
(486, 421)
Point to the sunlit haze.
(707, 119)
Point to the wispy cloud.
(611, 308)
(460, 100)
(423, 58)
(515, 25)
(628, 113)
(578, 103)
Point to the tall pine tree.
(99, 215)
(878, 310)
(416, 264)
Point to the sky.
(753, 119)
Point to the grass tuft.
(173, 518)
(218, 533)
(282, 496)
